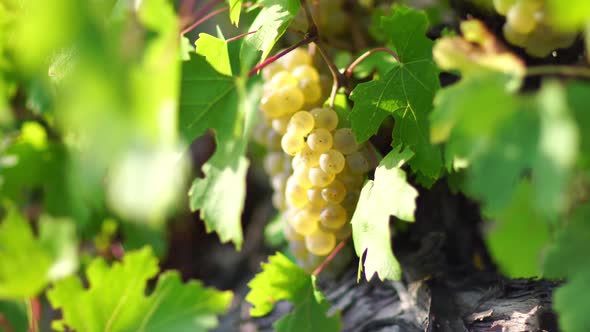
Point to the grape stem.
(5, 324)
(558, 70)
(328, 259)
(308, 39)
(210, 15)
(242, 35)
(201, 11)
(365, 55)
(34, 307)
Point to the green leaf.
(281, 279)
(116, 300)
(571, 15)
(515, 257)
(15, 312)
(235, 8)
(212, 100)
(388, 195)
(565, 259)
(270, 24)
(28, 264)
(406, 92)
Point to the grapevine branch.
(242, 35)
(203, 10)
(308, 39)
(558, 70)
(365, 55)
(208, 16)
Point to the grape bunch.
(317, 169)
(527, 25)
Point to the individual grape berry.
(333, 216)
(332, 161)
(312, 92)
(295, 58)
(314, 196)
(283, 79)
(357, 163)
(291, 99)
(301, 123)
(271, 105)
(334, 192)
(301, 176)
(269, 71)
(502, 6)
(280, 124)
(309, 158)
(344, 141)
(521, 16)
(305, 222)
(320, 178)
(292, 143)
(320, 243)
(291, 234)
(325, 118)
(513, 37)
(320, 140)
(295, 194)
(306, 72)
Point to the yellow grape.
(271, 105)
(283, 79)
(521, 16)
(295, 58)
(295, 194)
(291, 99)
(320, 140)
(305, 222)
(320, 178)
(344, 141)
(334, 192)
(333, 216)
(301, 123)
(269, 71)
(320, 243)
(298, 248)
(301, 176)
(312, 92)
(306, 72)
(273, 163)
(325, 118)
(281, 123)
(314, 196)
(332, 161)
(291, 234)
(292, 144)
(309, 158)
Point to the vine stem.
(328, 259)
(308, 39)
(5, 324)
(558, 70)
(205, 9)
(242, 35)
(208, 16)
(34, 314)
(365, 55)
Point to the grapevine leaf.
(15, 312)
(54, 254)
(389, 194)
(518, 258)
(563, 260)
(116, 300)
(405, 92)
(281, 279)
(577, 94)
(235, 8)
(216, 101)
(270, 24)
(571, 14)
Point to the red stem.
(205, 9)
(365, 55)
(241, 36)
(329, 258)
(210, 15)
(5, 324)
(117, 250)
(35, 310)
(308, 39)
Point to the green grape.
(334, 192)
(344, 232)
(279, 182)
(333, 216)
(312, 92)
(301, 123)
(521, 16)
(295, 194)
(306, 72)
(332, 161)
(291, 99)
(320, 243)
(296, 161)
(357, 163)
(298, 248)
(282, 79)
(280, 124)
(271, 105)
(269, 71)
(291, 234)
(292, 143)
(325, 118)
(301, 176)
(320, 140)
(502, 6)
(273, 163)
(344, 141)
(273, 140)
(309, 158)
(278, 201)
(513, 37)
(314, 196)
(305, 222)
(295, 58)
(319, 178)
